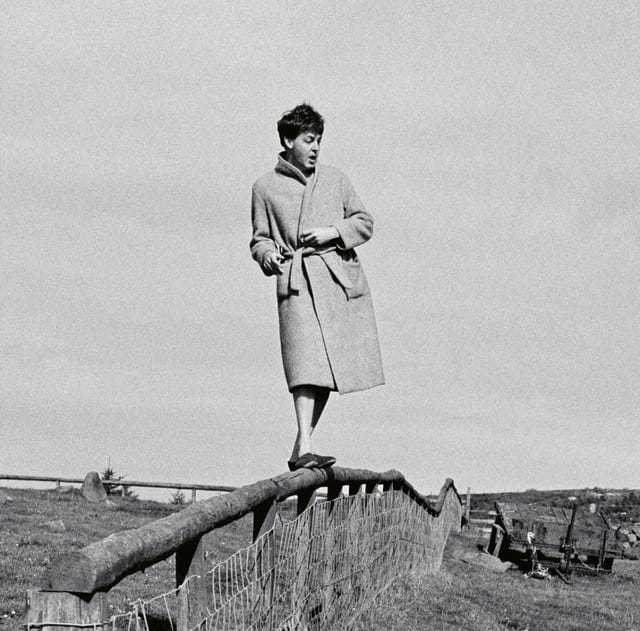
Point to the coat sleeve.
(356, 226)
(261, 241)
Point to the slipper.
(305, 461)
(324, 461)
(311, 461)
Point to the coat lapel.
(307, 198)
(286, 168)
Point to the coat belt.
(333, 263)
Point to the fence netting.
(317, 571)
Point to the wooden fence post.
(334, 490)
(305, 499)
(63, 610)
(467, 508)
(264, 516)
(192, 599)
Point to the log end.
(71, 572)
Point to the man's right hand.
(271, 263)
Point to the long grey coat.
(328, 330)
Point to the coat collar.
(286, 168)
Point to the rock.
(483, 559)
(92, 488)
(4, 498)
(64, 489)
(111, 505)
(57, 525)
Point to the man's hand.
(317, 237)
(271, 262)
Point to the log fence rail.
(76, 583)
(58, 481)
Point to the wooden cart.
(560, 539)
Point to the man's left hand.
(317, 237)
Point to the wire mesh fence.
(317, 571)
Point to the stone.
(4, 498)
(56, 525)
(67, 488)
(92, 488)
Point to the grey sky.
(496, 144)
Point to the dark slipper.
(305, 461)
(324, 461)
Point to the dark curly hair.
(300, 119)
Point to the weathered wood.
(61, 607)
(264, 516)
(103, 563)
(333, 491)
(191, 563)
(495, 542)
(305, 499)
(370, 487)
(151, 485)
(550, 526)
(291, 483)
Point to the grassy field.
(469, 597)
(459, 596)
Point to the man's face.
(303, 151)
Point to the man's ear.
(288, 142)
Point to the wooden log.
(58, 611)
(103, 563)
(291, 483)
(152, 485)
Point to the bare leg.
(309, 403)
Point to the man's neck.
(308, 173)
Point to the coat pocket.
(355, 273)
(282, 281)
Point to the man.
(307, 220)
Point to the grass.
(459, 596)
(27, 545)
(469, 597)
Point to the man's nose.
(315, 145)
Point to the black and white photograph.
(320, 316)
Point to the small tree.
(116, 489)
(178, 498)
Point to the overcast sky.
(496, 144)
